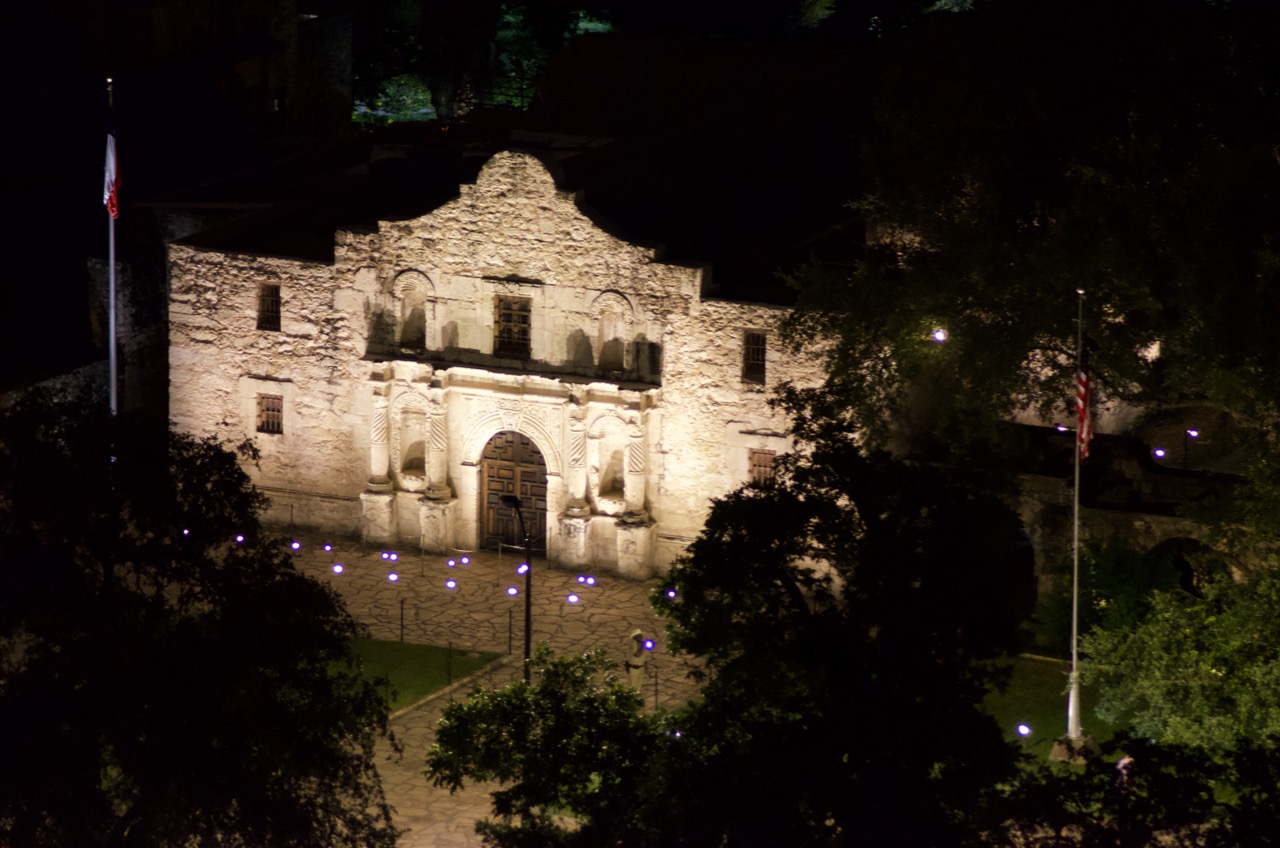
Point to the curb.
(500, 662)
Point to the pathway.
(479, 614)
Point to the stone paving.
(480, 615)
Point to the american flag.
(111, 182)
(1084, 388)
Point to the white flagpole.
(111, 291)
(1073, 698)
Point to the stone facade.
(504, 320)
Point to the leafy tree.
(1022, 150)
(1167, 797)
(1248, 818)
(1116, 584)
(1196, 671)
(571, 751)
(160, 682)
(851, 623)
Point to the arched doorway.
(512, 465)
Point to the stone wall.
(632, 387)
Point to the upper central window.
(511, 327)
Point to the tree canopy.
(850, 619)
(1023, 150)
(166, 676)
(850, 616)
(1196, 671)
(574, 745)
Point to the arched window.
(414, 295)
(413, 321)
(614, 316)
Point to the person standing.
(637, 659)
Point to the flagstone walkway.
(480, 615)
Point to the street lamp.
(513, 502)
(1187, 436)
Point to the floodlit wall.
(392, 371)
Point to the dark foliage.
(160, 683)
(851, 623)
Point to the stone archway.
(511, 464)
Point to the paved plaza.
(480, 615)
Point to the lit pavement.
(480, 615)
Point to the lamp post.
(514, 503)
(1187, 436)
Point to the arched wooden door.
(512, 465)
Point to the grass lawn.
(1037, 696)
(416, 671)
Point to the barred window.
(753, 348)
(268, 307)
(270, 413)
(761, 465)
(511, 327)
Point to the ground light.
(939, 335)
(1024, 730)
(337, 568)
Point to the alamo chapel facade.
(502, 344)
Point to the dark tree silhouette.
(162, 683)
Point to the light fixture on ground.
(513, 503)
(1188, 435)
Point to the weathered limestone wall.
(385, 360)
(219, 361)
(712, 418)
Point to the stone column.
(438, 452)
(577, 471)
(379, 446)
(377, 502)
(634, 485)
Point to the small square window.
(511, 327)
(269, 307)
(761, 465)
(271, 414)
(753, 349)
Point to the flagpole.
(1073, 697)
(112, 379)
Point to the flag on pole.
(111, 183)
(1084, 402)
